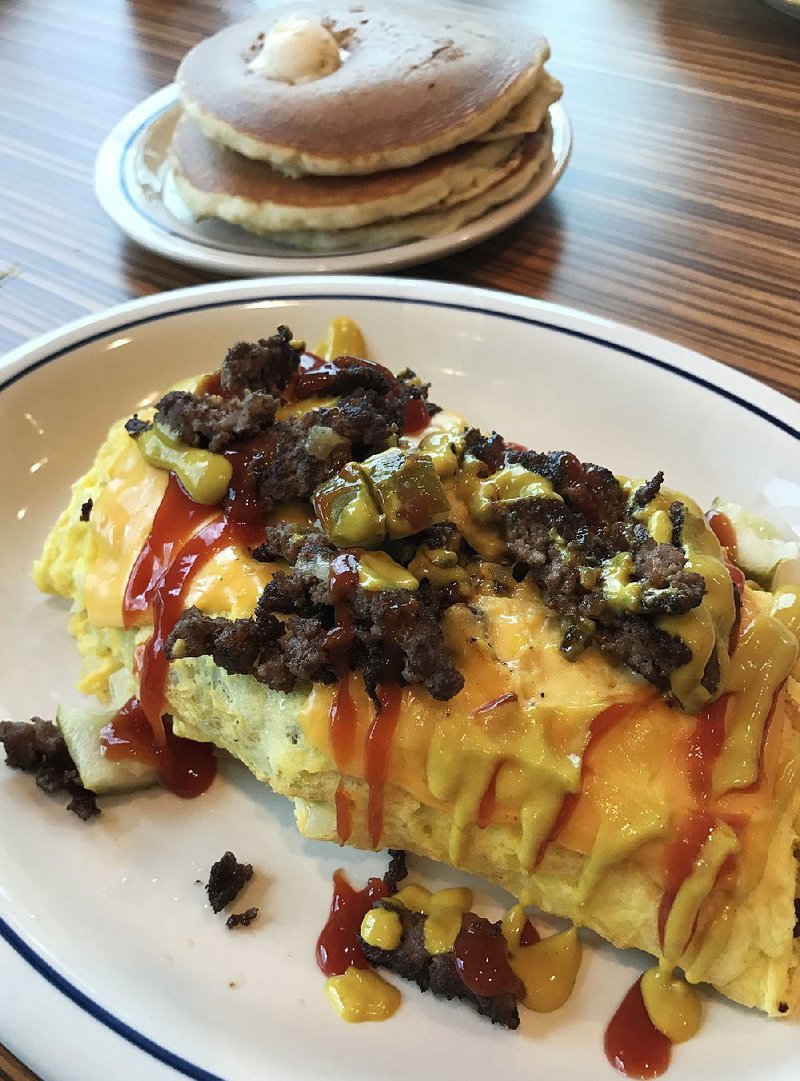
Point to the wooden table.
(679, 214)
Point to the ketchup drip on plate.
(183, 766)
(338, 947)
(376, 754)
(633, 1044)
(343, 578)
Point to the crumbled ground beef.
(396, 871)
(226, 880)
(39, 748)
(214, 422)
(489, 449)
(86, 509)
(564, 544)
(439, 973)
(241, 919)
(266, 365)
(135, 426)
(395, 635)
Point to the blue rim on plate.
(17, 943)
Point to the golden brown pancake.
(534, 154)
(218, 182)
(413, 82)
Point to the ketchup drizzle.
(481, 959)
(705, 745)
(416, 418)
(633, 1044)
(185, 767)
(603, 723)
(338, 947)
(488, 803)
(679, 862)
(376, 754)
(176, 519)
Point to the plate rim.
(684, 363)
(111, 191)
(743, 390)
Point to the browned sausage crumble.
(226, 880)
(241, 919)
(38, 747)
(438, 973)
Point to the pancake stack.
(333, 127)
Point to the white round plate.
(134, 184)
(109, 953)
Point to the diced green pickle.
(204, 475)
(347, 511)
(378, 571)
(408, 491)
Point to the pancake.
(530, 114)
(681, 825)
(414, 82)
(534, 155)
(217, 182)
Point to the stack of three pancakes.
(337, 127)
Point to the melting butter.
(672, 1005)
(362, 995)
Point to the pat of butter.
(297, 51)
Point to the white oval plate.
(105, 933)
(134, 184)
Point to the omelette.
(573, 684)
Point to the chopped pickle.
(441, 567)
(205, 476)
(344, 338)
(378, 571)
(444, 449)
(408, 490)
(347, 511)
(508, 485)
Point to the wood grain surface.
(680, 212)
